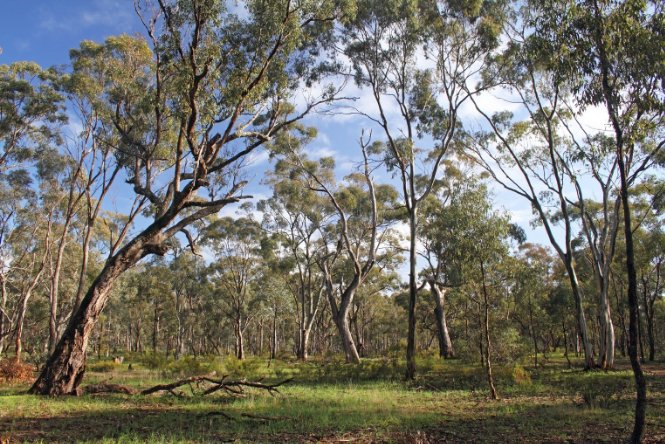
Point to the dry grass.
(14, 371)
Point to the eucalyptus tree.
(31, 112)
(416, 105)
(615, 62)
(235, 271)
(524, 158)
(294, 216)
(187, 279)
(59, 177)
(552, 160)
(541, 161)
(17, 200)
(32, 248)
(37, 228)
(206, 89)
(480, 237)
(650, 260)
(356, 237)
(439, 249)
(534, 286)
(93, 166)
(276, 300)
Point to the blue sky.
(44, 31)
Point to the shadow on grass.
(330, 403)
(489, 422)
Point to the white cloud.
(257, 158)
(347, 166)
(489, 102)
(594, 119)
(521, 216)
(324, 151)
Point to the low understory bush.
(104, 366)
(13, 370)
(599, 389)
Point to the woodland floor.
(335, 402)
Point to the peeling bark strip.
(207, 385)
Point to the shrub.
(13, 370)
(599, 390)
(509, 347)
(154, 361)
(187, 366)
(521, 376)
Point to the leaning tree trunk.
(445, 344)
(341, 315)
(65, 367)
(349, 345)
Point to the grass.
(332, 402)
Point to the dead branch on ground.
(199, 385)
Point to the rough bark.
(65, 367)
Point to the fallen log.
(206, 385)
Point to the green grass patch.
(331, 400)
